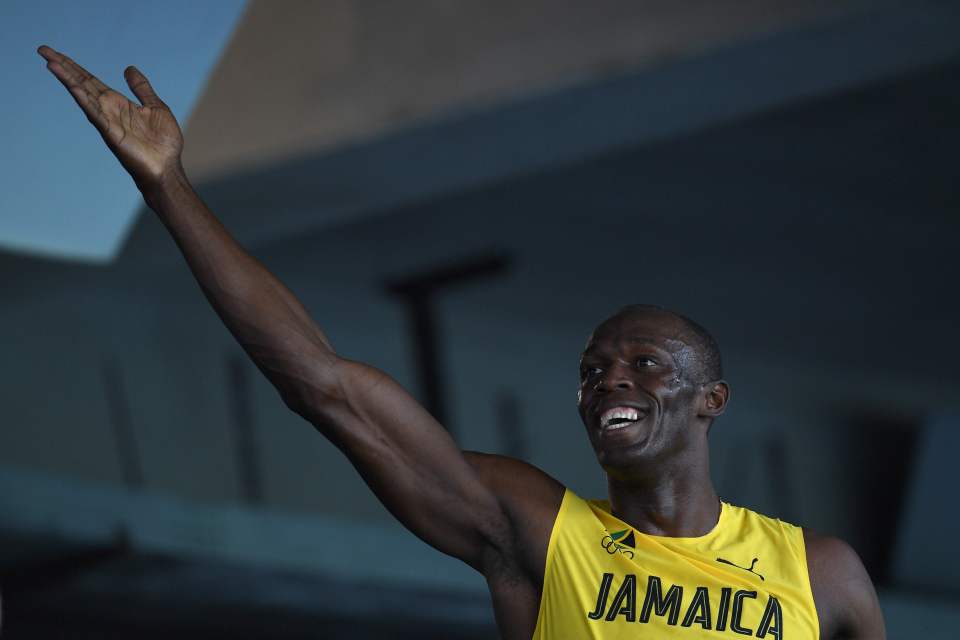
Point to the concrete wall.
(173, 355)
(302, 76)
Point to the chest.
(606, 580)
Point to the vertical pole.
(418, 292)
(241, 414)
(513, 440)
(121, 422)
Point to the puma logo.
(750, 568)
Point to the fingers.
(141, 88)
(70, 73)
(85, 88)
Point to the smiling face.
(640, 396)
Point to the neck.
(676, 499)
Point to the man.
(663, 558)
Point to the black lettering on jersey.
(656, 602)
(738, 611)
(699, 610)
(772, 620)
(602, 597)
(724, 608)
(625, 602)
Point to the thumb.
(141, 88)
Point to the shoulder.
(844, 595)
(530, 498)
(517, 484)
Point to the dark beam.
(418, 292)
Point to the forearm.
(267, 320)
(262, 314)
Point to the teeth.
(624, 413)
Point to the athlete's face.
(636, 398)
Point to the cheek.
(672, 396)
(662, 385)
(672, 380)
(679, 401)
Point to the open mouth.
(620, 417)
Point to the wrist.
(171, 182)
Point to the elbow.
(310, 404)
(314, 391)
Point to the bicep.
(409, 461)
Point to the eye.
(590, 372)
(646, 361)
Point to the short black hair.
(709, 366)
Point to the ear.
(714, 399)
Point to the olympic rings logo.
(612, 547)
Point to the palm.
(143, 135)
(146, 139)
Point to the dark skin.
(658, 469)
(492, 512)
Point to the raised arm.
(403, 454)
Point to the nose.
(615, 378)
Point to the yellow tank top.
(605, 580)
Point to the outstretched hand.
(145, 138)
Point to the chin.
(622, 460)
